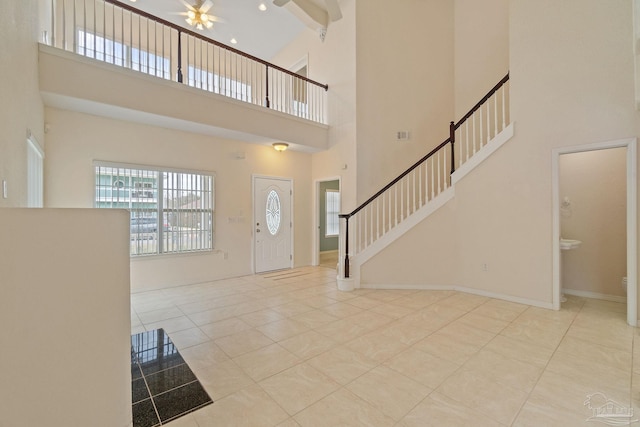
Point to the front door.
(272, 223)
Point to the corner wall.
(21, 108)
(481, 45)
(333, 62)
(405, 80)
(65, 308)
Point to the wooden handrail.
(482, 101)
(451, 140)
(453, 127)
(402, 175)
(183, 30)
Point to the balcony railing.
(119, 34)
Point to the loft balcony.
(107, 58)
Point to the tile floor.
(287, 349)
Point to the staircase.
(425, 187)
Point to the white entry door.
(272, 223)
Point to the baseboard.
(595, 295)
(510, 298)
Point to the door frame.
(315, 252)
(632, 210)
(253, 217)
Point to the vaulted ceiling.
(257, 32)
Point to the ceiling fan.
(197, 14)
(320, 15)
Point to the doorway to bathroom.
(594, 213)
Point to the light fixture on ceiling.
(280, 146)
(262, 6)
(233, 40)
(198, 19)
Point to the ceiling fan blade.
(280, 2)
(333, 8)
(187, 5)
(315, 12)
(217, 19)
(205, 6)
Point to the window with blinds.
(171, 211)
(332, 203)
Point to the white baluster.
(407, 180)
(488, 121)
(481, 131)
(384, 212)
(420, 184)
(395, 203)
(466, 135)
(473, 140)
(438, 156)
(356, 225)
(390, 196)
(365, 228)
(433, 181)
(401, 200)
(495, 114)
(445, 177)
(377, 218)
(504, 106)
(459, 140)
(415, 198)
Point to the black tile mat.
(163, 386)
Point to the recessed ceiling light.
(234, 41)
(262, 6)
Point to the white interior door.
(273, 223)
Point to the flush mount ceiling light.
(280, 146)
(198, 20)
(262, 6)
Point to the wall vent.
(403, 135)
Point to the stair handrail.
(453, 126)
(212, 41)
(482, 101)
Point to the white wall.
(595, 183)
(65, 311)
(405, 72)
(20, 104)
(481, 45)
(572, 83)
(426, 255)
(75, 140)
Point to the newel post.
(346, 245)
(452, 137)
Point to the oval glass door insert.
(273, 212)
